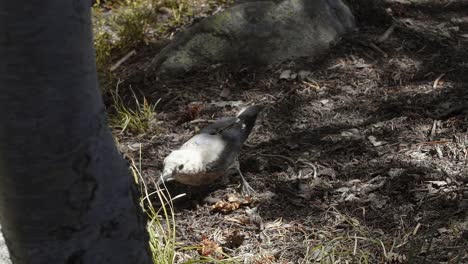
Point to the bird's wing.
(235, 130)
(211, 148)
(219, 125)
(220, 142)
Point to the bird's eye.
(180, 167)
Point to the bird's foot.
(247, 190)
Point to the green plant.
(119, 31)
(161, 224)
(138, 120)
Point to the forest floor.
(360, 158)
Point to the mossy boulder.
(258, 32)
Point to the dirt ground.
(363, 158)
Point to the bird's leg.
(246, 188)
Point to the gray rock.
(258, 32)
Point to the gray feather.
(234, 131)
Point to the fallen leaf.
(285, 75)
(351, 133)
(342, 190)
(438, 183)
(374, 142)
(211, 249)
(442, 230)
(351, 198)
(225, 207)
(324, 101)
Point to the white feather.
(194, 155)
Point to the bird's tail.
(248, 116)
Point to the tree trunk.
(66, 195)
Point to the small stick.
(433, 130)
(122, 60)
(386, 34)
(436, 82)
(355, 245)
(433, 142)
(416, 229)
(313, 167)
(375, 47)
(196, 121)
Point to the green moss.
(217, 24)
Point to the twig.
(122, 60)
(415, 231)
(196, 121)
(436, 82)
(309, 84)
(386, 34)
(313, 167)
(433, 142)
(433, 130)
(355, 245)
(375, 47)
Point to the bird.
(213, 152)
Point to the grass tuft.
(141, 119)
(161, 225)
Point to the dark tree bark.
(66, 195)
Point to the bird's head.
(181, 162)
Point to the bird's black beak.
(165, 177)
